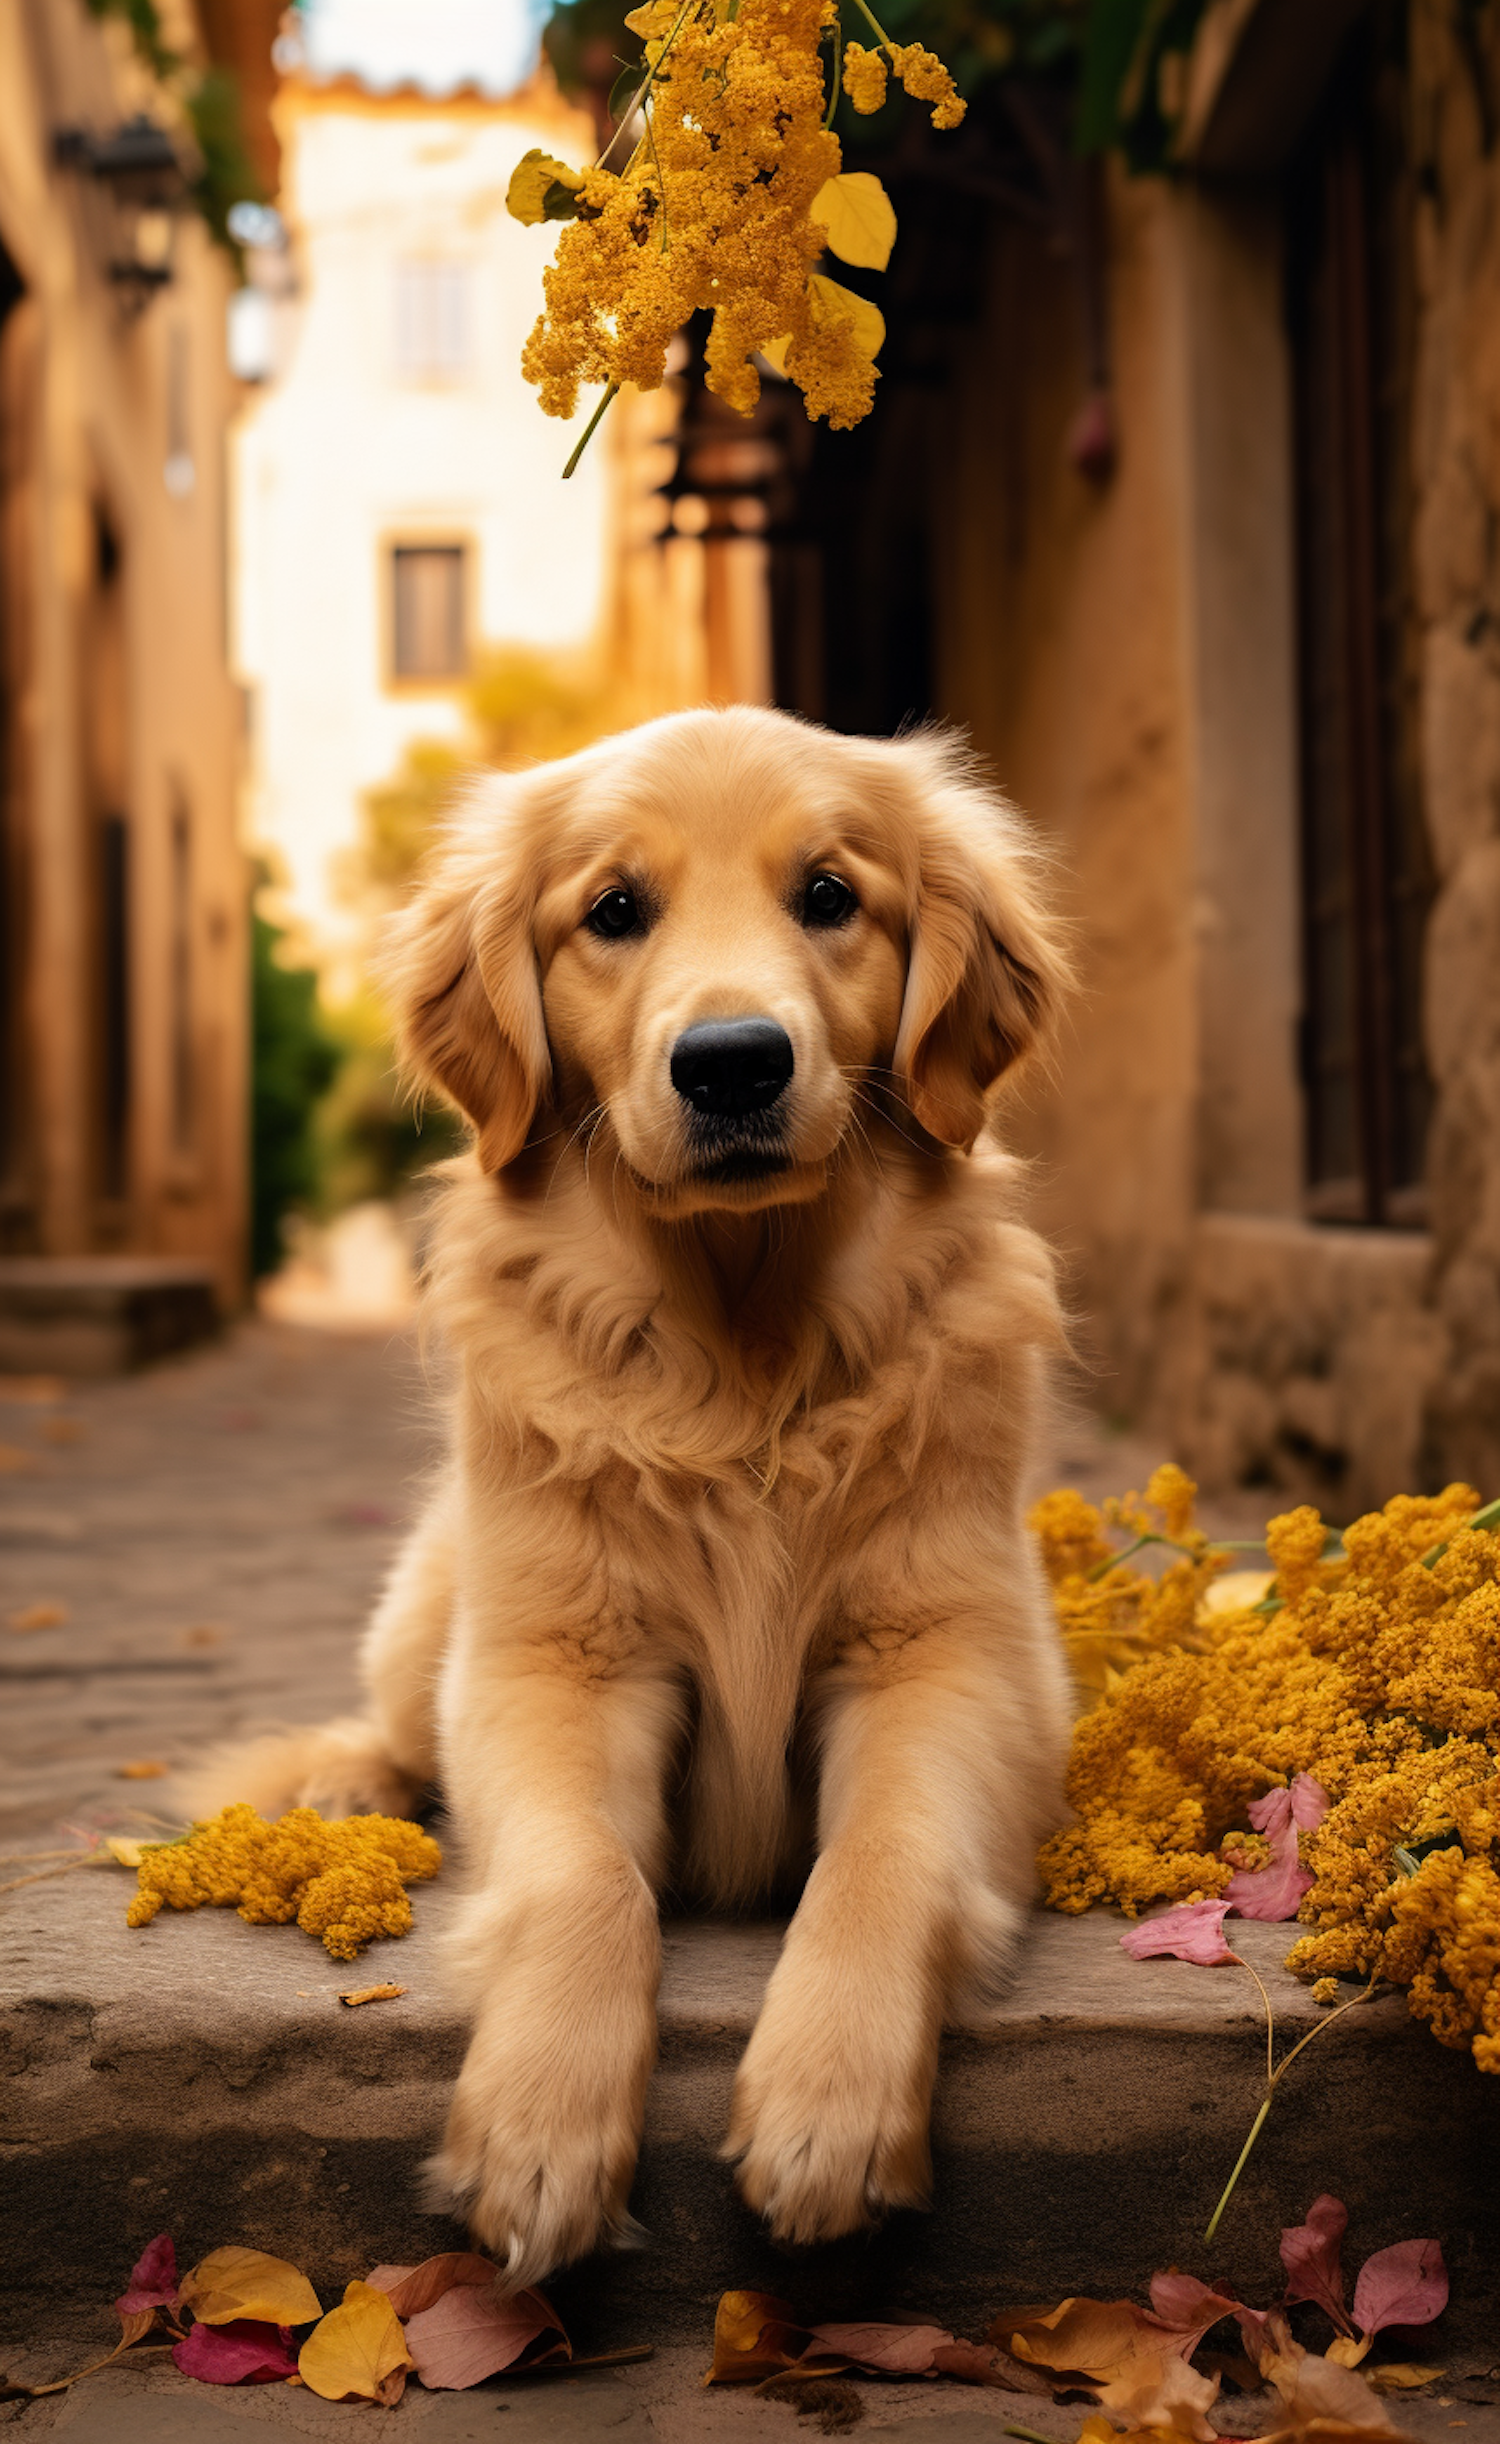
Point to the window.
(1366, 879)
(433, 321)
(428, 607)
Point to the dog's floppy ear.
(987, 970)
(460, 968)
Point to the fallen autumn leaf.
(359, 2349)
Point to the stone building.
(123, 1002)
(1182, 494)
(399, 502)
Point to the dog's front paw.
(538, 2165)
(829, 2129)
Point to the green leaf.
(859, 217)
(542, 189)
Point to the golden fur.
(727, 1572)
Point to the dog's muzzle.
(733, 1073)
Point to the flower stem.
(838, 61)
(1488, 1518)
(646, 83)
(881, 36)
(591, 428)
(1255, 2131)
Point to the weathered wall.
(1457, 565)
(125, 708)
(1062, 653)
(1124, 656)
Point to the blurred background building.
(1181, 493)
(123, 1002)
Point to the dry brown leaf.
(62, 1430)
(39, 1388)
(358, 2349)
(410, 2289)
(1129, 2358)
(14, 1461)
(141, 1769)
(756, 2336)
(37, 1616)
(372, 1994)
(471, 2333)
(238, 2282)
(134, 2323)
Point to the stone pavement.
(214, 1532)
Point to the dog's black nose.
(725, 1067)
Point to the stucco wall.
(121, 417)
(1124, 655)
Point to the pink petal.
(243, 2352)
(1186, 2308)
(470, 2334)
(1271, 1811)
(1310, 2254)
(1407, 2285)
(153, 2277)
(1195, 1932)
(1275, 1890)
(1310, 1803)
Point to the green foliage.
(293, 1061)
(210, 102)
(371, 1134)
(1120, 59)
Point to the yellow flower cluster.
(921, 72)
(343, 1880)
(1379, 1675)
(1112, 1616)
(713, 211)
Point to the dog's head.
(705, 939)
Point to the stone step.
(101, 1315)
(201, 2076)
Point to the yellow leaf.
(542, 189)
(1402, 2376)
(1236, 1591)
(121, 1847)
(246, 2283)
(868, 321)
(859, 217)
(774, 353)
(359, 2348)
(1347, 2350)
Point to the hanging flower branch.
(732, 192)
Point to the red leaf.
(153, 2278)
(470, 2334)
(1310, 2254)
(240, 2353)
(1194, 1932)
(1407, 2285)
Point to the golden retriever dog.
(725, 1588)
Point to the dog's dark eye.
(613, 914)
(827, 901)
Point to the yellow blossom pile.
(1377, 1672)
(715, 209)
(343, 1880)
